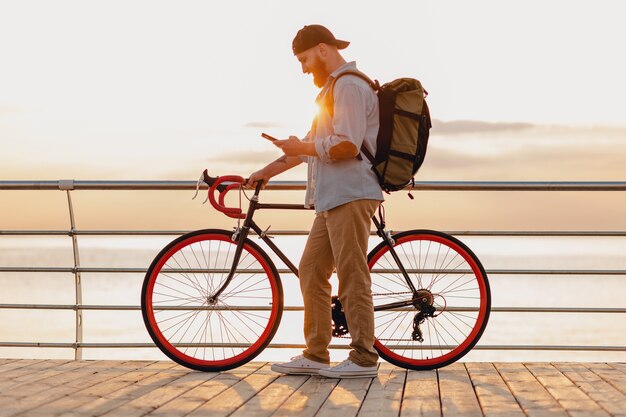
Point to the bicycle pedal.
(340, 324)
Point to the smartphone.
(268, 137)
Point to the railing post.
(68, 186)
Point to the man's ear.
(322, 50)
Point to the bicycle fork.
(240, 235)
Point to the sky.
(148, 90)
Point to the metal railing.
(69, 186)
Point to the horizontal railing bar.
(302, 346)
(496, 233)
(300, 185)
(92, 232)
(300, 308)
(287, 271)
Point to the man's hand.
(295, 147)
(257, 176)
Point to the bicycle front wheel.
(188, 324)
(445, 317)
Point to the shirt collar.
(348, 66)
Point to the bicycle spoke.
(189, 296)
(261, 279)
(181, 282)
(176, 298)
(199, 286)
(194, 336)
(245, 314)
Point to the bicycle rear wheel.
(448, 314)
(201, 333)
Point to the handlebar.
(233, 212)
(217, 183)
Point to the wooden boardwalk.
(140, 388)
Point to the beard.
(319, 79)
(320, 74)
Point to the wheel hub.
(423, 299)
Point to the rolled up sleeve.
(307, 138)
(349, 120)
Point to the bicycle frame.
(242, 233)
(205, 311)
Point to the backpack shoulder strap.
(373, 84)
(329, 98)
(330, 103)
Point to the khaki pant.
(338, 239)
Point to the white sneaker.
(299, 365)
(349, 369)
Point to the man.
(345, 193)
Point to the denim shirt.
(331, 183)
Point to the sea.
(496, 253)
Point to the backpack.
(403, 133)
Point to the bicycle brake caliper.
(388, 233)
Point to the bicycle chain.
(392, 293)
(386, 340)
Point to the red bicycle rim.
(175, 351)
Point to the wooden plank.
(73, 380)
(493, 394)
(9, 366)
(28, 368)
(532, 397)
(7, 386)
(457, 393)
(135, 388)
(346, 398)
(115, 392)
(307, 400)
(237, 395)
(608, 397)
(619, 366)
(12, 377)
(613, 376)
(214, 384)
(266, 402)
(143, 403)
(384, 396)
(36, 393)
(569, 396)
(66, 385)
(4, 361)
(421, 395)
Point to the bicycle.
(212, 299)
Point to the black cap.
(312, 35)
